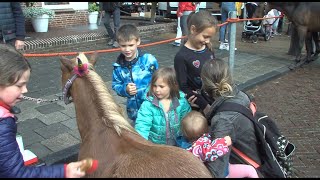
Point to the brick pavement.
(293, 101)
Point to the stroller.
(255, 29)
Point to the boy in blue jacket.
(133, 69)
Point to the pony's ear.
(66, 63)
(93, 58)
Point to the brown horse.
(108, 137)
(305, 17)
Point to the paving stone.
(28, 113)
(39, 150)
(71, 123)
(30, 137)
(29, 125)
(53, 118)
(60, 142)
(52, 130)
(75, 133)
(49, 108)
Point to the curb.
(263, 78)
(71, 154)
(145, 31)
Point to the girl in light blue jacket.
(160, 115)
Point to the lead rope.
(39, 100)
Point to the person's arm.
(118, 85)
(181, 73)
(221, 127)
(11, 159)
(144, 120)
(19, 20)
(152, 65)
(181, 7)
(207, 150)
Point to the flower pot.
(40, 23)
(93, 17)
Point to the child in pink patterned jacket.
(194, 127)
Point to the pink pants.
(242, 171)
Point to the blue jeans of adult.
(116, 22)
(226, 7)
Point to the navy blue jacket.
(12, 19)
(11, 159)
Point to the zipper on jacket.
(131, 77)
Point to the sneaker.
(176, 44)
(110, 42)
(115, 44)
(224, 46)
(15, 110)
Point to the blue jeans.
(226, 7)
(116, 22)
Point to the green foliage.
(32, 12)
(93, 7)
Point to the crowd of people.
(160, 100)
(167, 105)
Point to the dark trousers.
(116, 22)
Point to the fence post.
(233, 27)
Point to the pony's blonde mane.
(111, 110)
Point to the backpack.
(276, 152)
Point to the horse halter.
(78, 71)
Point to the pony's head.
(73, 68)
(78, 65)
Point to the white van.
(169, 9)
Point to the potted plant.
(39, 17)
(93, 13)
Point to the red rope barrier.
(229, 20)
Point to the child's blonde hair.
(168, 75)
(127, 32)
(194, 125)
(216, 78)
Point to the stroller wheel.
(254, 38)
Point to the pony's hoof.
(297, 61)
(315, 57)
(292, 66)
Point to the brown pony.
(305, 17)
(108, 137)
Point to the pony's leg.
(315, 37)
(302, 32)
(293, 41)
(309, 47)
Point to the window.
(56, 5)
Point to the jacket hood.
(121, 61)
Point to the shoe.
(224, 46)
(15, 110)
(115, 44)
(176, 44)
(276, 34)
(110, 42)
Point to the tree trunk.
(153, 12)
